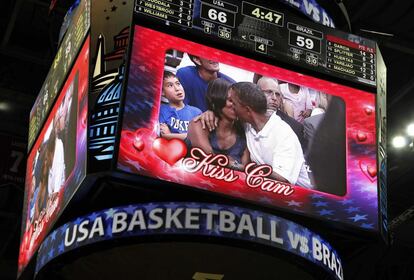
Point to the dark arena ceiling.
(28, 42)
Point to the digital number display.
(350, 58)
(249, 25)
(262, 13)
(304, 42)
(220, 16)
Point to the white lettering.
(158, 221)
(260, 232)
(190, 218)
(308, 7)
(304, 248)
(137, 220)
(179, 124)
(333, 263)
(316, 249)
(67, 242)
(316, 15)
(83, 230)
(326, 255)
(119, 223)
(218, 3)
(97, 227)
(340, 272)
(245, 224)
(294, 3)
(227, 221)
(325, 19)
(293, 239)
(273, 232)
(311, 10)
(322, 253)
(209, 213)
(173, 217)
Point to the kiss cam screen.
(216, 121)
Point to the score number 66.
(215, 15)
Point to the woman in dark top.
(228, 138)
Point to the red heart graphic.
(169, 151)
(361, 136)
(372, 171)
(368, 110)
(139, 145)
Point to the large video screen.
(61, 65)
(57, 163)
(216, 121)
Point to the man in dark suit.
(310, 126)
(327, 148)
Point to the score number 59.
(305, 42)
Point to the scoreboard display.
(247, 41)
(271, 33)
(219, 100)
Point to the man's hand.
(164, 129)
(207, 119)
(234, 164)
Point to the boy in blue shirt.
(175, 116)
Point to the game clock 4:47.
(262, 13)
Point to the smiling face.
(173, 90)
(208, 65)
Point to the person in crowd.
(311, 124)
(175, 116)
(327, 149)
(67, 127)
(300, 99)
(228, 138)
(42, 179)
(269, 139)
(34, 191)
(314, 97)
(270, 87)
(195, 80)
(57, 175)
